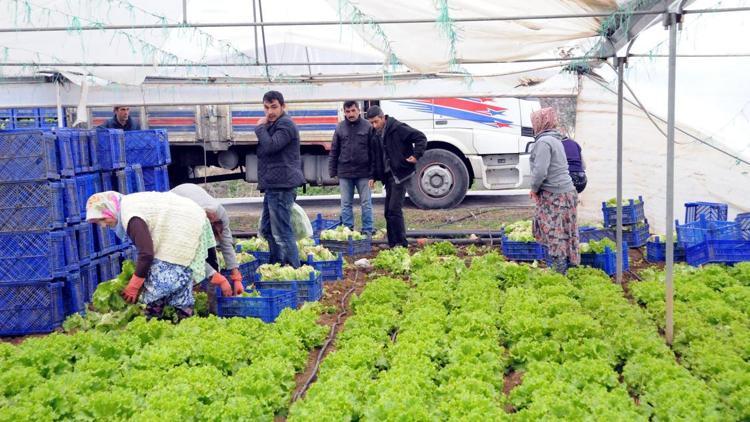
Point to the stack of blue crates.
(28, 118)
(51, 259)
(150, 150)
(635, 227)
(41, 235)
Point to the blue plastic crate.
(110, 148)
(156, 179)
(74, 294)
(523, 251)
(130, 179)
(104, 269)
(350, 247)
(28, 206)
(247, 270)
(718, 251)
(135, 178)
(72, 259)
(743, 220)
(6, 119)
(702, 230)
(30, 307)
(307, 290)
(86, 185)
(710, 210)
(91, 140)
(26, 118)
(115, 264)
(90, 279)
(656, 251)
(145, 147)
(262, 257)
(27, 156)
(631, 214)
(606, 261)
(48, 118)
(79, 147)
(587, 234)
(70, 200)
(319, 224)
(329, 270)
(38, 255)
(108, 181)
(266, 307)
(85, 237)
(104, 243)
(166, 154)
(636, 236)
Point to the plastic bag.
(300, 223)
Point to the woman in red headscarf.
(555, 217)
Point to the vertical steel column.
(620, 61)
(671, 22)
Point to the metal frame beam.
(653, 12)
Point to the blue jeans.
(276, 226)
(365, 200)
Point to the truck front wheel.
(441, 180)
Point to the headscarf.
(106, 205)
(544, 119)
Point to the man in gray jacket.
(350, 161)
(219, 219)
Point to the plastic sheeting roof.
(127, 56)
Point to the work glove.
(219, 280)
(236, 277)
(130, 294)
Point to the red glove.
(219, 280)
(130, 294)
(236, 277)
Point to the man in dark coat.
(350, 161)
(279, 176)
(121, 120)
(394, 163)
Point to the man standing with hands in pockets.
(394, 163)
(350, 160)
(279, 176)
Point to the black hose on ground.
(329, 340)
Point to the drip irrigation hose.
(329, 340)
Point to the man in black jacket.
(394, 163)
(279, 175)
(350, 161)
(121, 120)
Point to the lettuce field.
(437, 335)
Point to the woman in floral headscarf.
(555, 218)
(172, 236)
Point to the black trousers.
(394, 214)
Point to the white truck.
(481, 140)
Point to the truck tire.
(441, 180)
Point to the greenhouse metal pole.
(672, 19)
(620, 61)
(59, 104)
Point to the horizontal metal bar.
(278, 64)
(713, 56)
(328, 23)
(373, 22)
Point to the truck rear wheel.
(441, 180)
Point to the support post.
(59, 103)
(672, 19)
(620, 62)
